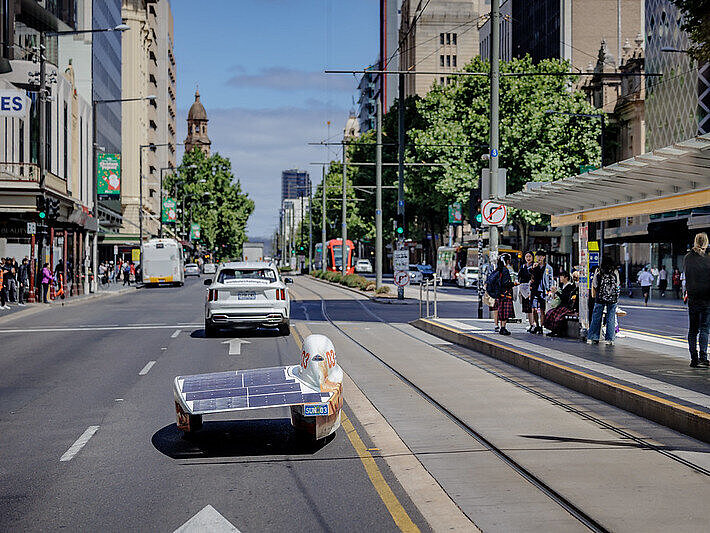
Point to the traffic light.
(301, 248)
(41, 206)
(52, 205)
(474, 209)
(400, 225)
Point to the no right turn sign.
(494, 214)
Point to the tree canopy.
(696, 21)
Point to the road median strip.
(682, 418)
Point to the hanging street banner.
(194, 231)
(108, 175)
(169, 210)
(455, 213)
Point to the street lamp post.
(95, 149)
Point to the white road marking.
(146, 368)
(80, 328)
(653, 338)
(208, 519)
(79, 443)
(175, 333)
(652, 308)
(235, 346)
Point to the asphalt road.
(103, 371)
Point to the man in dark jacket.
(23, 280)
(697, 283)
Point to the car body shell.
(247, 302)
(364, 266)
(467, 277)
(191, 269)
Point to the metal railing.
(425, 287)
(19, 172)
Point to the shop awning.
(670, 178)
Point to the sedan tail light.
(212, 295)
(280, 294)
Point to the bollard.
(427, 298)
(436, 312)
(420, 300)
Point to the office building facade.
(294, 184)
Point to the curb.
(692, 422)
(66, 303)
(371, 297)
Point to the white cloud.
(263, 142)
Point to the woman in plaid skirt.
(504, 302)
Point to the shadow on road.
(238, 438)
(264, 333)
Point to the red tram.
(334, 255)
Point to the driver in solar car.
(313, 389)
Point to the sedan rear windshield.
(228, 274)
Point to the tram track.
(572, 509)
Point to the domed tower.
(197, 127)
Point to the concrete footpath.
(644, 374)
(18, 311)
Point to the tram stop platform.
(644, 374)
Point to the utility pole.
(378, 196)
(42, 102)
(323, 263)
(400, 173)
(344, 250)
(310, 224)
(494, 103)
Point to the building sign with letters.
(14, 103)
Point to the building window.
(448, 61)
(441, 61)
(453, 39)
(448, 38)
(441, 38)
(21, 133)
(48, 136)
(453, 60)
(442, 81)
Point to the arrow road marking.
(208, 519)
(235, 346)
(79, 443)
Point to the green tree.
(534, 146)
(696, 21)
(214, 199)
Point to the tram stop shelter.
(676, 177)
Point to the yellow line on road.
(388, 497)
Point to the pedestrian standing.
(12, 279)
(47, 279)
(645, 279)
(697, 279)
(524, 277)
(3, 284)
(676, 282)
(23, 281)
(663, 281)
(126, 274)
(606, 287)
(540, 285)
(504, 301)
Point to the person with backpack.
(499, 285)
(606, 287)
(697, 276)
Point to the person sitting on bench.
(555, 318)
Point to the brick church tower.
(197, 127)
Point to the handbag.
(488, 299)
(524, 290)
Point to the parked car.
(467, 277)
(191, 269)
(209, 268)
(363, 266)
(247, 294)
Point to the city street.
(90, 443)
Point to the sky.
(259, 66)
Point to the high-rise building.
(677, 104)
(294, 184)
(389, 50)
(144, 122)
(436, 36)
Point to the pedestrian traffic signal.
(301, 248)
(42, 206)
(474, 209)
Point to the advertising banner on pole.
(455, 213)
(194, 231)
(169, 210)
(108, 175)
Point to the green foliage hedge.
(350, 280)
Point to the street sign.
(31, 228)
(587, 168)
(115, 249)
(401, 278)
(494, 214)
(455, 213)
(494, 153)
(401, 260)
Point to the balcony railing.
(29, 173)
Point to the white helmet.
(319, 362)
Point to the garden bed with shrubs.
(350, 280)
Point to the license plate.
(251, 295)
(316, 410)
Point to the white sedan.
(191, 269)
(247, 294)
(467, 277)
(209, 268)
(364, 266)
